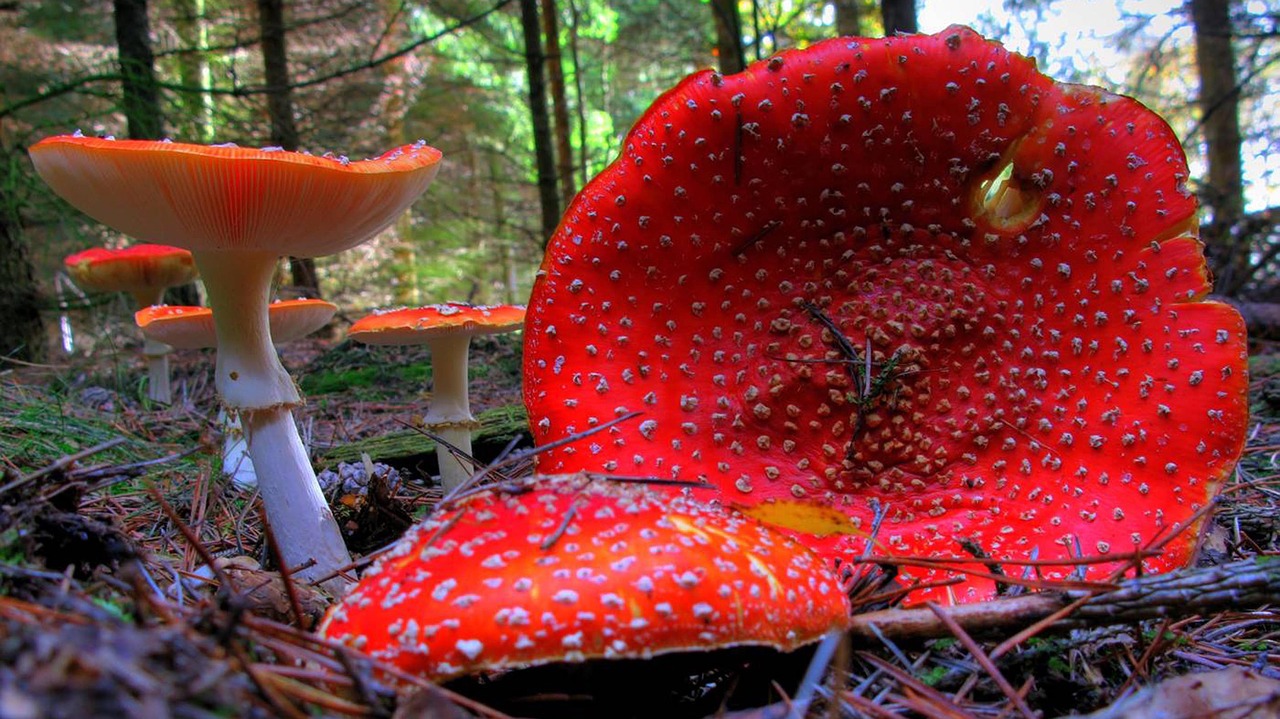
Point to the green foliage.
(68, 22)
(461, 86)
(13, 551)
(116, 607)
(933, 675)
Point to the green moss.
(1264, 365)
(365, 378)
(399, 371)
(497, 425)
(38, 430)
(42, 426)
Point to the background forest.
(528, 99)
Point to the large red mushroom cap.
(228, 198)
(909, 273)
(569, 568)
(143, 270)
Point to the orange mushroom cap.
(567, 569)
(137, 268)
(189, 328)
(220, 198)
(416, 325)
(909, 274)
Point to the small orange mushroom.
(144, 271)
(447, 330)
(184, 327)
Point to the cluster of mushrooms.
(230, 213)
(909, 283)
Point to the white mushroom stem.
(453, 469)
(248, 374)
(158, 387)
(157, 353)
(251, 379)
(450, 412)
(305, 530)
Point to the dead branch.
(1251, 583)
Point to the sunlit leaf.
(803, 517)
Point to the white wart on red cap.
(567, 569)
(1018, 256)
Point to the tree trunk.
(284, 130)
(849, 17)
(193, 67)
(1219, 98)
(579, 93)
(899, 16)
(21, 327)
(275, 65)
(400, 84)
(141, 95)
(729, 50)
(548, 198)
(559, 102)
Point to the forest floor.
(110, 507)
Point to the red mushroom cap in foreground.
(191, 328)
(222, 197)
(135, 269)
(416, 325)
(1018, 256)
(567, 569)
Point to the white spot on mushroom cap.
(469, 648)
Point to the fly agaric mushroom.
(909, 273)
(184, 327)
(145, 272)
(238, 210)
(447, 330)
(568, 569)
(191, 328)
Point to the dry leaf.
(802, 517)
(1232, 693)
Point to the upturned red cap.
(909, 273)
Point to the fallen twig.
(1247, 583)
(62, 463)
